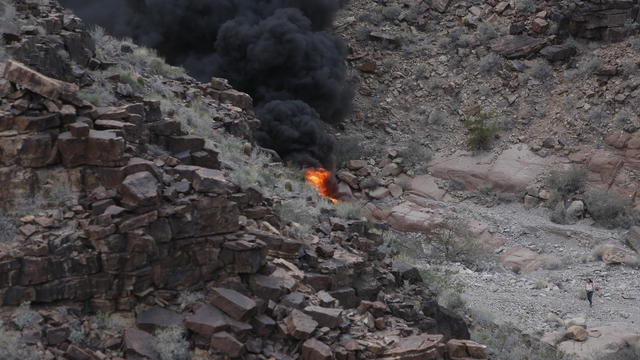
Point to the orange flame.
(321, 179)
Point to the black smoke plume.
(278, 51)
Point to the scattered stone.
(233, 303)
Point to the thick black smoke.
(276, 50)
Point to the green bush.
(563, 184)
(453, 240)
(490, 64)
(171, 344)
(610, 210)
(540, 70)
(348, 210)
(481, 130)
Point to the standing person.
(589, 288)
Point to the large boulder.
(521, 259)
(513, 169)
(518, 46)
(38, 83)
(607, 341)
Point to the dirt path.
(527, 300)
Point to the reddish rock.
(138, 343)
(211, 181)
(415, 347)
(313, 349)
(233, 303)
(139, 190)
(325, 317)
(138, 221)
(156, 318)
(466, 349)
(36, 150)
(190, 143)
(225, 343)
(267, 287)
(264, 325)
(79, 130)
(300, 325)
(76, 353)
(521, 259)
(36, 82)
(517, 46)
(36, 123)
(206, 321)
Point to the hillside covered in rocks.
(319, 180)
(140, 220)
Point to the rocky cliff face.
(119, 206)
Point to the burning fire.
(323, 181)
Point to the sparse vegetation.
(348, 210)
(453, 241)
(416, 153)
(551, 262)
(487, 32)
(8, 230)
(540, 70)
(508, 342)
(171, 344)
(490, 64)
(187, 299)
(11, 348)
(610, 210)
(481, 130)
(391, 13)
(25, 317)
(563, 184)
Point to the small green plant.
(453, 240)
(415, 153)
(610, 210)
(407, 247)
(481, 130)
(540, 70)
(348, 210)
(187, 299)
(487, 32)
(171, 344)
(490, 64)
(564, 184)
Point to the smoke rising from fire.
(278, 51)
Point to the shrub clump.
(481, 130)
(540, 70)
(563, 184)
(453, 240)
(610, 209)
(172, 345)
(490, 64)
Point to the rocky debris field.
(134, 225)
